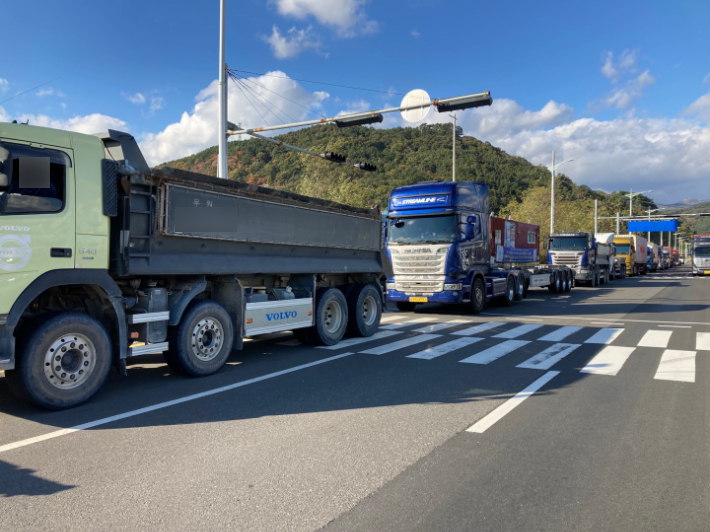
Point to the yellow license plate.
(707, 272)
(418, 299)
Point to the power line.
(262, 99)
(243, 78)
(28, 90)
(320, 83)
(249, 100)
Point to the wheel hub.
(69, 361)
(333, 317)
(207, 338)
(369, 310)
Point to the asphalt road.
(587, 411)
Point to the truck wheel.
(509, 298)
(595, 279)
(568, 282)
(331, 318)
(519, 287)
(526, 286)
(478, 296)
(63, 362)
(201, 343)
(554, 286)
(364, 310)
(405, 306)
(302, 336)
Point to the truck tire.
(526, 286)
(510, 291)
(405, 306)
(331, 317)
(202, 342)
(568, 282)
(595, 279)
(62, 362)
(478, 296)
(554, 285)
(302, 335)
(364, 310)
(519, 287)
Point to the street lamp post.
(552, 190)
(454, 159)
(222, 133)
(649, 211)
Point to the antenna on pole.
(222, 132)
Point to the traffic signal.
(366, 167)
(333, 157)
(358, 120)
(464, 102)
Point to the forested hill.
(402, 156)
(405, 156)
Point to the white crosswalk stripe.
(439, 326)
(549, 357)
(481, 327)
(676, 366)
(605, 335)
(561, 333)
(519, 331)
(403, 324)
(655, 338)
(401, 344)
(494, 353)
(349, 342)
(609, 361)
(448, 347)
(702, 341)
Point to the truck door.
(36, 214)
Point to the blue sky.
(621, 87)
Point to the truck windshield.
(568, 243)
(622, 249)
(429, 230)
(703, 251)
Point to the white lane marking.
(549, 357)
(521, 318)
(518, 331)
(406, 323)
(494, 353)
(655, 338)
(608, 361)
(561, 333)
(488, 421)
(676, 366)
(439, 326)
(568, 318)
(388, 348)
(677, 326)
(344, 344)
(608, 323)
(604, 336)
(389, 318)
(291, 343)
(438, 350)
(165, 404)
(702, 341)
(478, 328)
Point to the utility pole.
(618, 221)
(596, 217)
(222, 133)
(454, 160)
(552, 195)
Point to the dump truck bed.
(177, 222)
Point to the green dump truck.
(102, 259)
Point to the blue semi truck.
(439, 248)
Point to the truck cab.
(438, 244)
(701, 255)
(592, 260)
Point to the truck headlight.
(390, 286)
(452, 286)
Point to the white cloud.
(623, 97)
(293, 43)
(347, 17)
(156, 103)
(4, 86)
(706, 80)
(700, 108)
(93, 123)
(197, 129)
(137, 98)
(45, 92)
(614, 70)
(415, 34)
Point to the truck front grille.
(419, 286)
(419, 264)
(565, 260)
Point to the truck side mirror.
(471, 220)
(469, 231)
